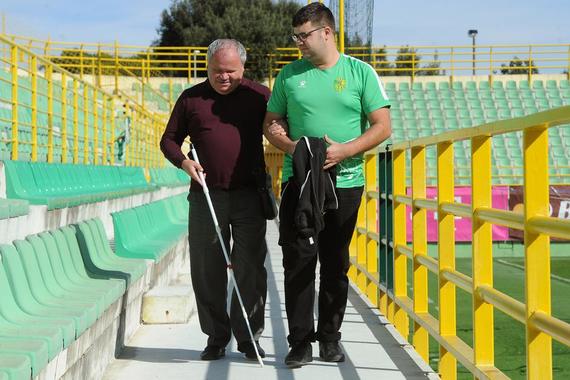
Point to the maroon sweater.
(226, 131)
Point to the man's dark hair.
(316, 13)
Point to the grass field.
(509, 334)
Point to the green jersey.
(333, 101)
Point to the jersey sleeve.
(278, 100)
(373, 93)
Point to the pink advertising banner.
(462, 225)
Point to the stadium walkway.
(374, 350)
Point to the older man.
(223, 116)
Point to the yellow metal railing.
(394, 301)
(98, 60)
(56, 116)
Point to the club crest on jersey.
(339, 84)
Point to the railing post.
(75, 121)
(491, 66)
(361, 280)
(99, 66)
(81, 64)
(34, 70)
(482, 251)
(385, 251)
(446, 255)
(112, 111)
(399, 239)
(85, 124)
(104, 131)
(49, 75)
(116, 67)
(64, 145)
(95, 127)
(371, 171)
(537, 251)
(14, 70)
(419, 244)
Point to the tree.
(261, 25)
(407, 61)
(519, 66)
(433, 68)
(380, 61)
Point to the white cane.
(226, 256)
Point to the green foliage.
(261, 25)
(519, 66)
(407, 60)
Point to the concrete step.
(168, 304)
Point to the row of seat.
(168, 177)
(472, 85)
(66, 185)
(55, 285)
(148, 231)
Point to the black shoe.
(249, 351)
(331, 352)
(300, 354)
(213, 353)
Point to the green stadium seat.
(403, 87)
(524, 84)
(551, 84)
(15, 366)
(99, 258)
(417, 86)
(537, 84)
(430, 86)
(457, 86)
(498, 85)
(443, 86)
(564, 84)
(139, 234)
(517, 112)
(504, 113)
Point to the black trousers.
(240, 218)
(299, 262)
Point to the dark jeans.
(299, 262)
(239, 215)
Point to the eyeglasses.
(303, 36)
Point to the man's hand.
(192, 168)
(278, 127)
(336, 152)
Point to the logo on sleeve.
(302, 84)
(339, 84)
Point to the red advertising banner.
(463, 232)
(559, 205)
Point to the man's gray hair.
(225, 43)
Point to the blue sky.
(413, 22)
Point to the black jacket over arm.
(308, 194)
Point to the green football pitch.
(510, 355)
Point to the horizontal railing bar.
(503, 302)
(403, 199)
(554, 227)
(552, 326)
(501, 217)
(458, 278)
(428, 204)
(457, 209)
